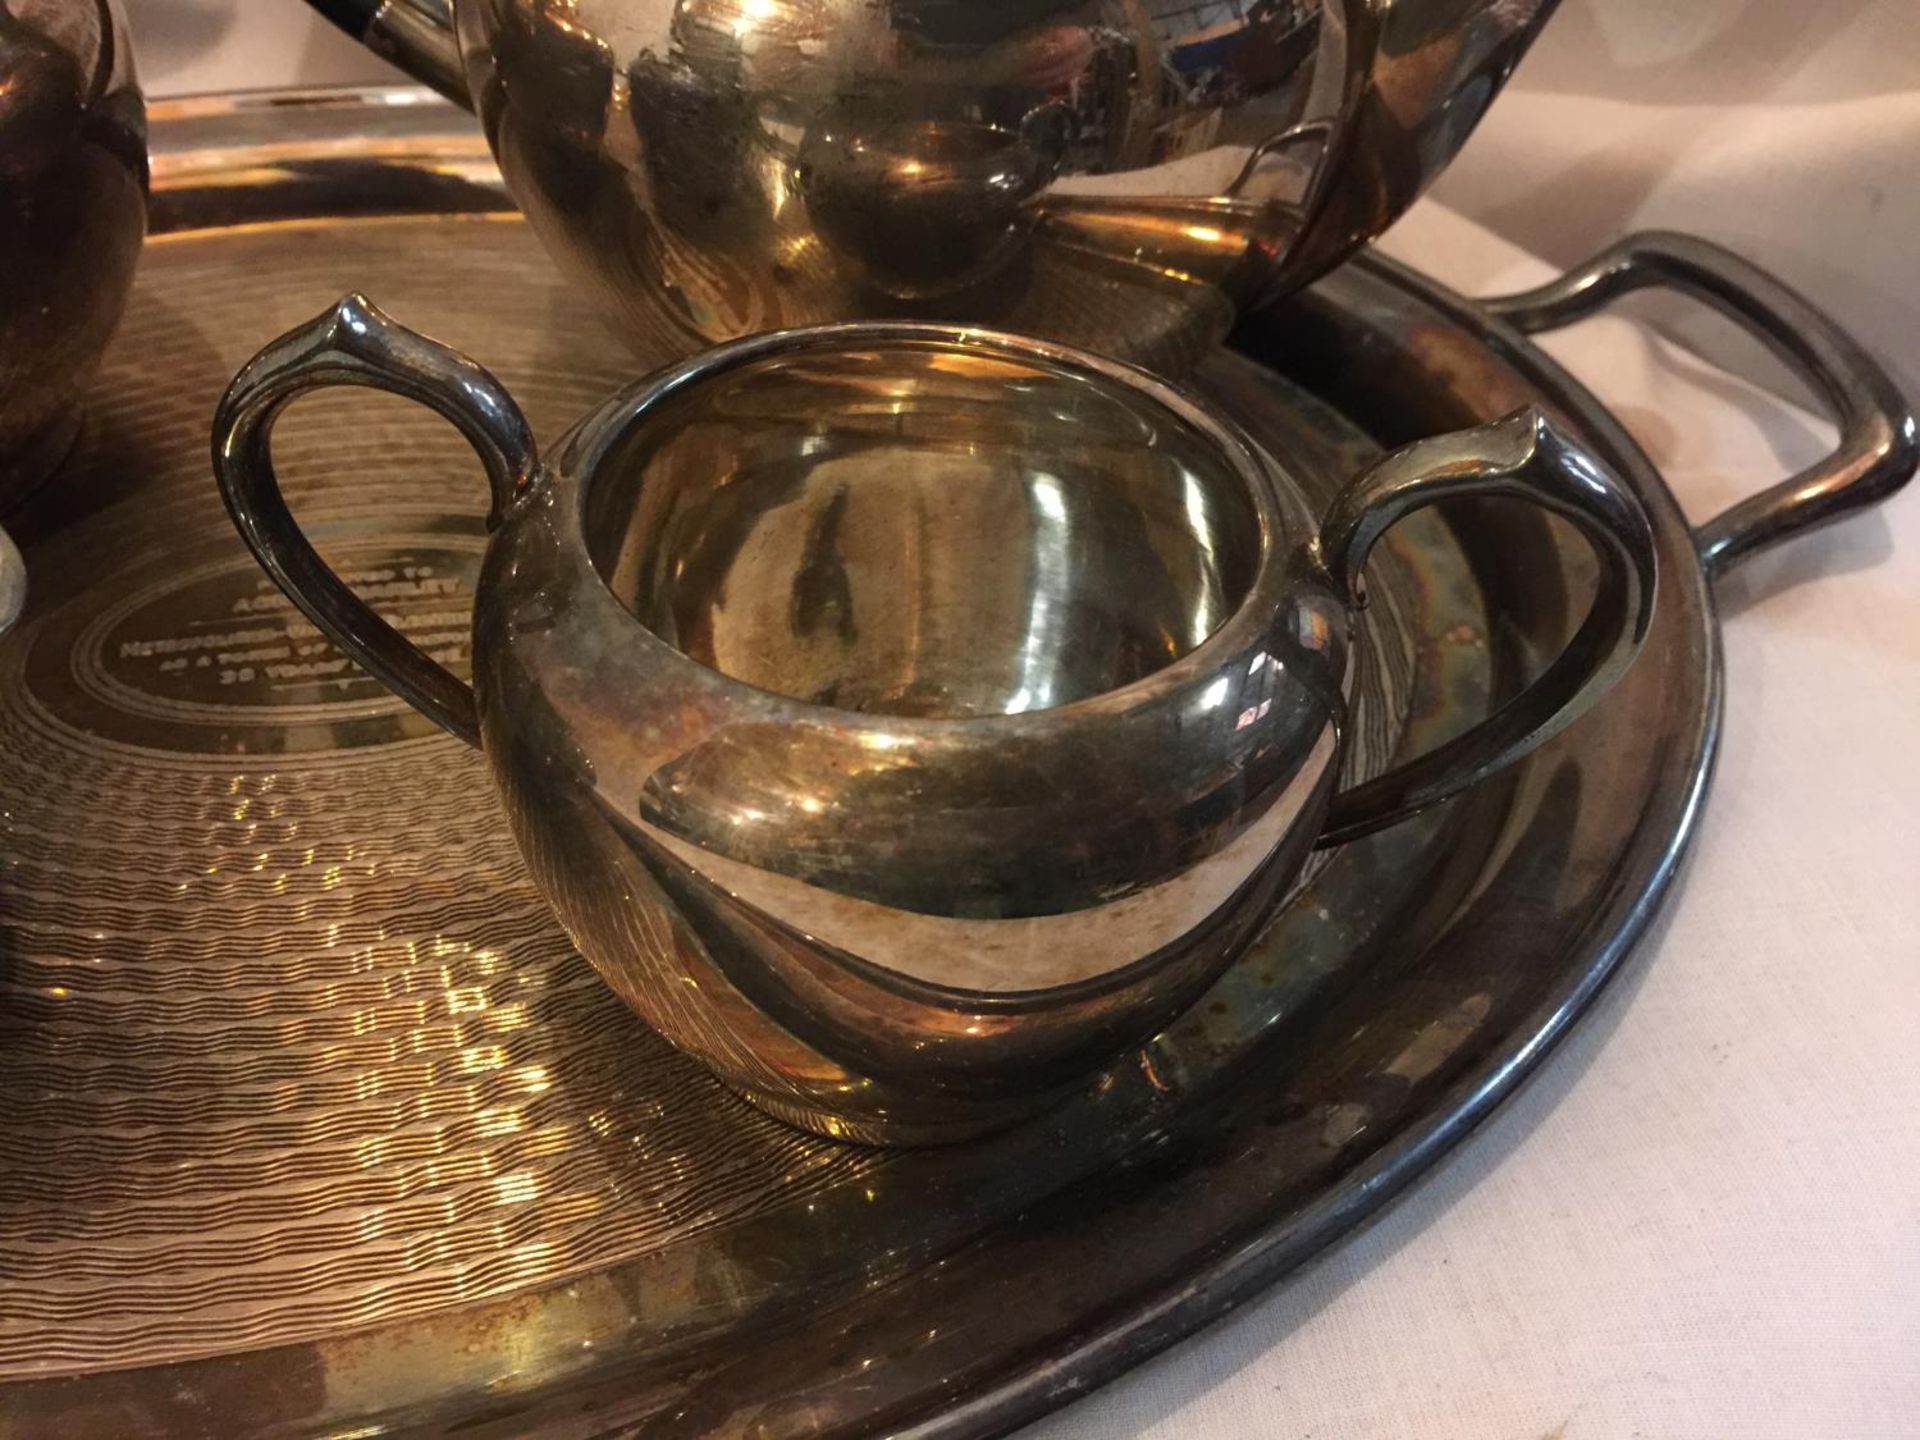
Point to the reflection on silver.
(1045, 626)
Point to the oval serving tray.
(317, 1125)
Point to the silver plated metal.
(315, 1129)
(715, 168)
(907, 720)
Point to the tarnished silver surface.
(1120, 174)
(907, 720)
(394, 1197)
(73, 174)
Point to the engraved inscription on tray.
(288, 1041)
(202, 653)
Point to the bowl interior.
(923, 528)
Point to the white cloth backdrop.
(1703, 1220)
(1788, 129)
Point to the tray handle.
(1878, 450)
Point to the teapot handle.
(1523, 457)
(353, 343)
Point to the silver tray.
(316, 1124)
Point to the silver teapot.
(73, 215)
(73, 177)
(1124, 175)
(906, 718)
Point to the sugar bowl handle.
(1522, 457)
(355, 344)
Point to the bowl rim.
(1285, 524)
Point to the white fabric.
(188, 47)
(1784, 128)
(1703, 1219)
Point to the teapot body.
(73, 176)
(723, 167)
(1121, 175)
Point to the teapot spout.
(416, 35)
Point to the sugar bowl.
(907, 718)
